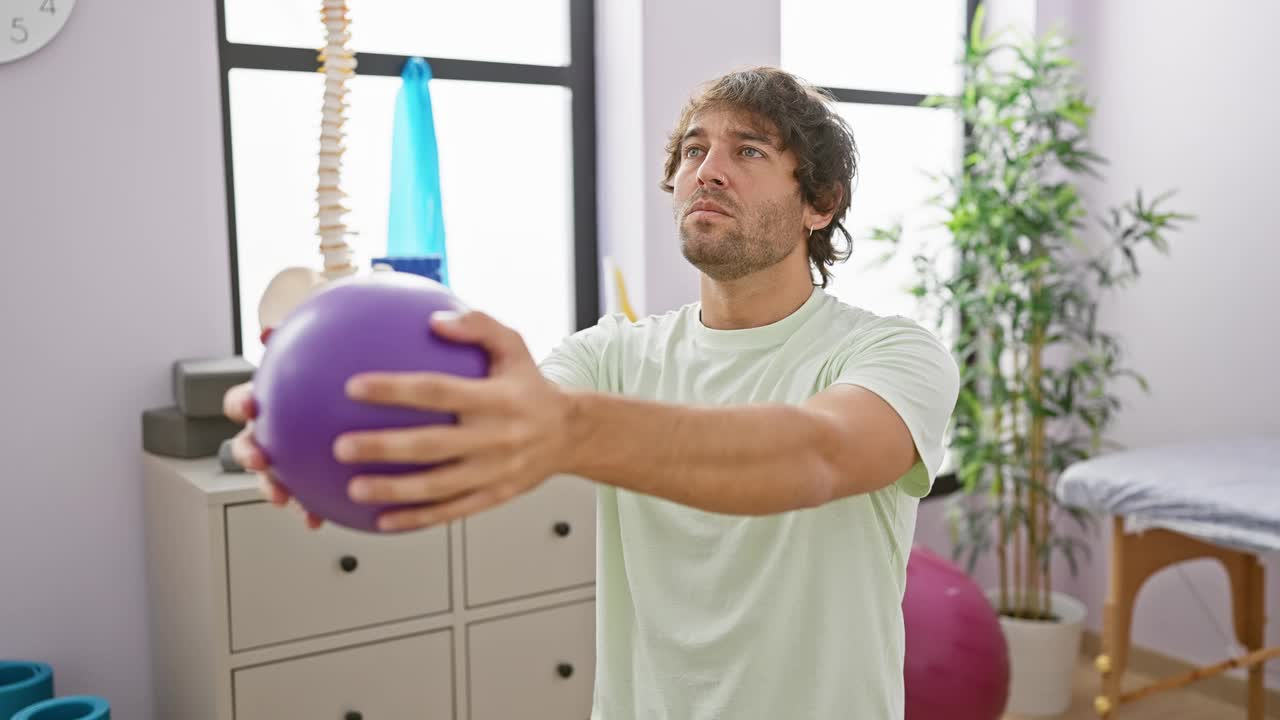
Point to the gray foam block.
(200, 383)
(167, 431)
(225, 458)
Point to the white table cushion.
(1225, 491)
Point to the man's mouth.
(707, 208)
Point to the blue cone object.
(415, 225)
(70, 707)
(23, 683)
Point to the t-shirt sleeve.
(577, 362)
(913, 371)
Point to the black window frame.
(578, 76)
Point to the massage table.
(1173, 503)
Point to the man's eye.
(750, 150)
(689, 151)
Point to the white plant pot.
(1043, 657)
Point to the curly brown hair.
(806, 122)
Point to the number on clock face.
(20, 34)
(28, 25)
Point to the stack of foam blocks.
(195, 425)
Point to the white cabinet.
(288, 582)
(540, 544)
(254, 616)
(407, 678)
(540, 659)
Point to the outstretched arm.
(516, 428)
(750, 460)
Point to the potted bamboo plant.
(1015, 285)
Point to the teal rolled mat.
(70, 707)
(23, 683)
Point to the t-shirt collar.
(774, 333)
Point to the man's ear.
(819, 214)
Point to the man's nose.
(712, 171)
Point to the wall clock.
(28, 25)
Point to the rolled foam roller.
(70, 707)
(23, 683)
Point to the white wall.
(1186, 100)
(622, 169)
(112, 218)
(652, 56)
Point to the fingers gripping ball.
(957, 662)
(376, 322)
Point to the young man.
(760, 454)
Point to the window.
(514, 114)
(880, 60)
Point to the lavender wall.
(112, 218)
(1184, 100)
(651, 57)
(1185, 96)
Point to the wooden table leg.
(1135, 558)
(1117, 618)
(1248, 592)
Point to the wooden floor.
(1184, 704)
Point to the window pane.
(901, 46)
(507, 195)
(523, 31)
(897, 146)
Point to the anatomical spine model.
(294, 284)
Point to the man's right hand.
(238, 405)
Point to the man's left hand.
(511, 434)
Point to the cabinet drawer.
(539, 665)
(288, 582)
(406, 678)
(541, 541)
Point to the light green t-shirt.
(705, 616)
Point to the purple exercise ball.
(376, 322)
(957, 661)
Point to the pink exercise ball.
(957, 661)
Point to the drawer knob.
(353, 715)
(564, 669)
(562, 529)
(349, 564)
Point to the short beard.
(758, 241)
